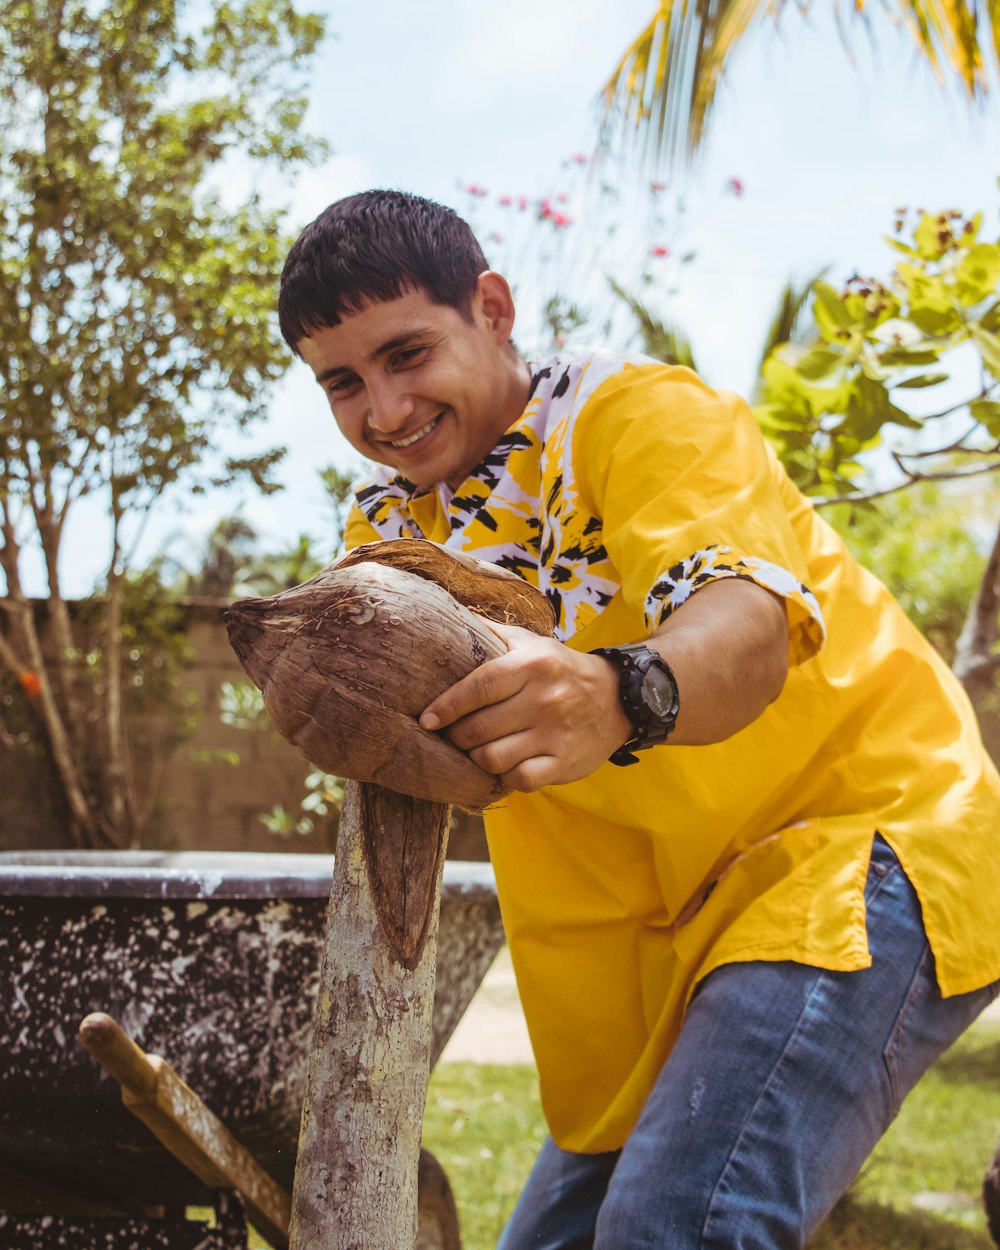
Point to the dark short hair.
(373, 247)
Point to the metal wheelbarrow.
(210, 960)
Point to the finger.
(492, 682)
(512, 635)
(533, 773)
(488, 724)
(500, 755)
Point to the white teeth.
(405, 442)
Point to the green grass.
(919, 1191)
(484, 1124)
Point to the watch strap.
(634, 661)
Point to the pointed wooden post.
(356, 1176)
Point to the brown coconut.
(346, 662)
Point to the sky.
(432, 98)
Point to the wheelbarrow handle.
(118, 1055)
(153, 1092)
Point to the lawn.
(919, 1191)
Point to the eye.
(341, 385)
(408, 356)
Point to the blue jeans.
(782, 1081)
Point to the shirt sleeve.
(688, 492)
(358, 529)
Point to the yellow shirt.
(623, 487)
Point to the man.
(746, 871)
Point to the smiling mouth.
(401, 443)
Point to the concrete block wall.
(197, 800)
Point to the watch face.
(659, 694)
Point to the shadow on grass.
(855, 1225)
(974, 1063)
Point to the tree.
(663, 88)
(931, 328)
(137, 306)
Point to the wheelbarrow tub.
(210, 960)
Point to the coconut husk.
(347, 661)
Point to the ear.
(495, 303)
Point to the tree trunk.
(116, 781)
(975, 662)
(83, 824)
(991, 1197)
(356, 1176)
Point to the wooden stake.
(356, 1175)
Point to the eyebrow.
(383, 349)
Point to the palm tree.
(663, 88)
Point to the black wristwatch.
(649, 696)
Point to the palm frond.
(786, 323)
(659, 340)
(663, 89)
(788, 311)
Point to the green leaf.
(869, 408)
(987, 412)
(900, 246)
(817, 363)
(907, 356)
(922, 380)
(989, 348)
(933, 236)
(786, 387)
(832, 317)
(935, 320)
(978, 273)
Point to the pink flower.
(475, 189)
(496, 238)
(580, 158)
(560, 219)
(523, 202)
(562, 197)
(657, 186)
(735, 187)
(545, 209)
(505, 201)
(659, 249)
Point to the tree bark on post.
(356, 1175)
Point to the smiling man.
(746, 871)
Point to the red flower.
(735, 187)
(659, 249)
(545, 209)
(505, 201)
(475, 189)
(560, 219)
(31, 683)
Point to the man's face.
(416, 386)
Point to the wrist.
(648, 697)
(616, 726)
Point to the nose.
(390, 406)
